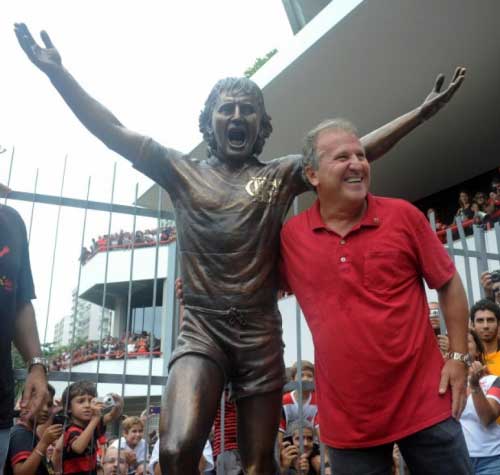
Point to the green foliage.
(259, 62)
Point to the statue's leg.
(258, 421)
(193, 392)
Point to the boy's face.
(307, 375)
(44, 413)
(81, 409)
(308, 440)
(134, 435)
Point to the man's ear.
(312, 175)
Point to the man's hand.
(46, 59)
(35, 391)
(288, 454)
(4, 190)
(487, 283)
(51, 434)
(454, 374)
(437, 99)
(444, 343)
(179, 291)
(303, 464)
(476, 372)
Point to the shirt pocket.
(383, 269)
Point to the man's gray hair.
(309, 156)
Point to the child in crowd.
(132, 440)
(290, 402)
(87, 424)
(30, 440)
(292, 461)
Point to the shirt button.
(343, 259)
(342, 242)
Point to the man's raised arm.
(380, 141)
(93, 115)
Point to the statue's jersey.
(228, 223)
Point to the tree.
(259, 62)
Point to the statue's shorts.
(246, 344)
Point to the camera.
(108, 402)
(495, 276)
(60, 418)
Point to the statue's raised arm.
(380, 141)
(93, 115)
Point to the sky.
(152, 63)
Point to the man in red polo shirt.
(356, 263)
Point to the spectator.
(17, 325)
(439, 225)
(87, 424)
(30, 439)
(464, 206)
(290, 403)
(491, 284)
(292, 461)
(356, 263)
(485, 316)
(228, 461)
(205, 465)
(112, 465)
(482, 434)
(132, 440)
(481, 200)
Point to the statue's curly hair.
(234, 86)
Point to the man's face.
(134, 435)
(486, 325)
(236, 123)
(308, 440)
(343, 172)
(111, 465)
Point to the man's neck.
(342, 217)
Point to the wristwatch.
(38, 360)
(465, 358)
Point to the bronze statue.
(229, 208)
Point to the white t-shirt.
(207, 454)
(140, 448)
(482, 441)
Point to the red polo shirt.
(377, 363)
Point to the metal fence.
(472, 254)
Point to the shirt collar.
(370, 219)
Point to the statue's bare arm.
(380, 141)
(93, 115)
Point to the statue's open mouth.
(237, 137)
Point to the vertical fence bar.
(54, 250)
(106, 266)
(449, 244)
(482, 260)
(129, 311)
(10, 173)
(299, 357)
(222, 467)
(151, 336)
(75, 310)
(465, 248)
(496, 227)
(33, 206)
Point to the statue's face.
(236, 123)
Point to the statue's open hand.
(437, 98)
(47, 59)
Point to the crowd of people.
(482, 208)
(126, 240)
(136, 345)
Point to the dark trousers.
(437, 450)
